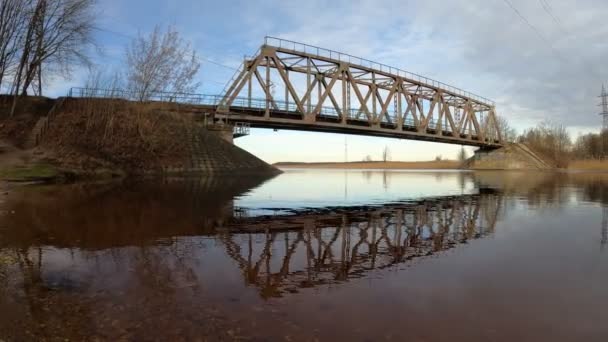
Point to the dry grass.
(31, 172)
(16, 130)
(128, 135)
(392, 165)
(589, 164)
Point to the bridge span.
(289, 85)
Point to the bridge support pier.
(224, 131)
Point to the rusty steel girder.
(324, 90)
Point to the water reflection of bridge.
(283, 254)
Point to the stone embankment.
(512, 156)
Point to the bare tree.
(62, 34)
(386, 154)
(26, 50)
(551, 140)
(591, 146)
(161, 62)
(508, 133)
(13, 19)
(101, 82)
(367, 158)
(57, 37)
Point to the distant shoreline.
(379, 165)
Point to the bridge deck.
(327, 123)
(331, 124)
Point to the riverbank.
(376, 165)
(588, 165)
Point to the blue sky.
(553, 70)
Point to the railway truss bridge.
(289, 85)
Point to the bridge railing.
(343, 57)
(251, 104)
(173, 97)
(241, 129)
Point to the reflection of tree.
(339, 247)
(551, 190)
(48, 298)
(55, 301)
(545, 190)
(604, 226)
(385, 180)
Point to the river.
(309, 255)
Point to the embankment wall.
(135, 138)
(512, 156)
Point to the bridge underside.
(288, 85)
(329, 124)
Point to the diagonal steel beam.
(266, 89)
(362, 101)
(324, 95)
(288, 84)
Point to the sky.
(538, 60)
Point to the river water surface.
(309, 255)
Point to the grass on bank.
(26, 173)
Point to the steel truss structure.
(330, 91)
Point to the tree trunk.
(40, 79)
(27, 47)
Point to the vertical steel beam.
(268, 90)
(319, 91)
(249, 91)
(344, 99)
(400, 115)
(286, 90)
(374, 99)
(439, 124)
(308, 86)
(450, 120)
